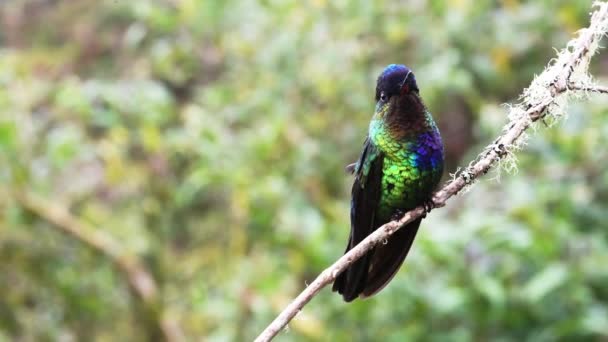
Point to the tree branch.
(140, 281)
(590, 88)
(546, 96)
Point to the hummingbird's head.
(396, 80)
(399, 106)
(397, 94)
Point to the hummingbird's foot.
(428, 205)
(397, 215)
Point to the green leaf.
(544, 282)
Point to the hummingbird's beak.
(405, 78)
(404, 88)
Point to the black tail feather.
(388, 258)
(370, 274)
(351, 282)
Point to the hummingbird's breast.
(412, 167)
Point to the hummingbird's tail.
(370, 274)
(388, 258)
(351, 282)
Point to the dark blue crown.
(391, 80)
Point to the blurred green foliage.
(210, 138)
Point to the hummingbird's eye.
(383, 96)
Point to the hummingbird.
(400, 166)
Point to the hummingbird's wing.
(350, 168)
(365, 198)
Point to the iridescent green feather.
(404, 183)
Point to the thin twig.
(575, 57)
(140, 281)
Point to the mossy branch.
(565, 77)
